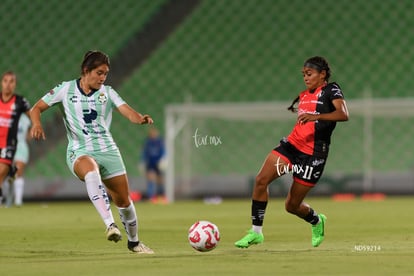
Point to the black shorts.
(151, 167)
(306, 169)
(7, 154)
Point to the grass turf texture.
(362, 238)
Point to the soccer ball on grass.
(203, 236)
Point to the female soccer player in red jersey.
(11, 108)
(303, 153)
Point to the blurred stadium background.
(169, 57)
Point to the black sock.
(258, 212)
(312, 217)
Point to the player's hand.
(306, 117)
(146, 119)
(37, 132)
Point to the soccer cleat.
(250, 239)
(139, 247)
(113, 233)
(318, 231)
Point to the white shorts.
(22, 152)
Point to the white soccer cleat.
(113, 233)
(139, 247)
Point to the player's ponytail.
(292, 107)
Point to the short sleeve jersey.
(10, 113)
(314, 137)
(87, 117)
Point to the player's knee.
(122, 201)
(261, 181)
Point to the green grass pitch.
(362, 238)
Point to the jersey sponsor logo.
(305, 111)
(318, 162)
(6, 122)
(89, 115)
(98, 132)
(74, 99)
(337, 91)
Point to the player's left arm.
(134, 116)
(340, 113)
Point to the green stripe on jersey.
(73, 117)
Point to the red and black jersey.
(10, 112)
(313, 138)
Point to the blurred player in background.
(153, 163)
(92, 154)
(303, 153)
(14, 186)
(12, 106)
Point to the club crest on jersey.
(102, 98)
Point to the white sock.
(18, 190)
(98, 196)
(8, 191)
(257, 229)
(130, 221)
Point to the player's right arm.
(36, 131)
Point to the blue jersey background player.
(153, 163)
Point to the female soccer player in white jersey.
(92, 154)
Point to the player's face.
(96, 77)
(8, 84)
(313, 78)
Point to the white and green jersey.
(87, 117)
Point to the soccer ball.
(203, 236)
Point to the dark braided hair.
(318, 63)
